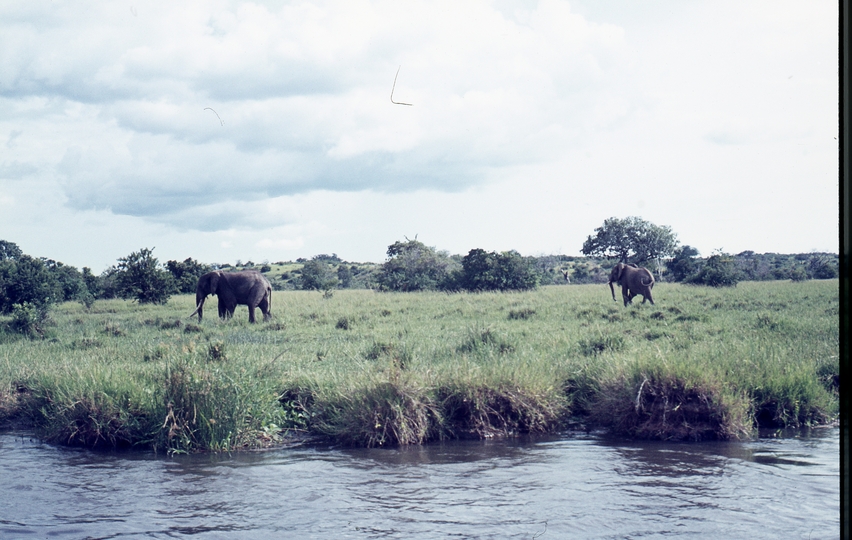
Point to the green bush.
(483, 271)
(30, 320)
(185, 274)
(316, 275)
(139, 276)
(718, 270)
(413, 266)
(27, 280)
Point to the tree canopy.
(507, 271)
(140, 277)
(186, 274)
(317, 275)
(631, 240)
(413, 266)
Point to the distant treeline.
(410, 266)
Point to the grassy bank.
(369, 368)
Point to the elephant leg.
(264, 308)
(625, 294)
(251, 313)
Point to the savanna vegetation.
(424, 346)
(370, 368)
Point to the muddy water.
(563, 487)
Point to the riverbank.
(371, 369)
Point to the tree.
(413, 266)
(630, 240)
(718, 270)
(683, 264)
(821, 268)
(483, 271)
(140, 277)
(9, 250)
(186, 274)
(92, 282)
(344, 276)
(317, 275)
(70, 282)
(26, 279)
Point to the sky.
(233, 131)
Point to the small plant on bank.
(486, 340)
(216, 352)
(521, 314)
(30, 320)
(343, 323)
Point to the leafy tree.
(71, 282)
(631, 240)
(483, 271)
(333, 258)
(186, 274)
(317, 275)
(683, 264)
(344, 276)
(27, 279)
(30, 320)
(718, 270)
(413, 266)
(820, 267)
(9, 250)
(140, 277)
(798, 273)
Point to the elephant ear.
(617, 271)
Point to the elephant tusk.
(194, 312)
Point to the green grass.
(367, 368)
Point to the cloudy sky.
(228, 130)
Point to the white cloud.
(531, 123)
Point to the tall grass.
(367, 368)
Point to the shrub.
(718, 271)
(683, 265)
(316, 275)
(29, 320)
(413, 266)
(27, 280)
(482, 271)
(185, 274)
(138, 276)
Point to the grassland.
(366, 368)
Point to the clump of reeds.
(660, 403)
(487, 411)
(392, 412)
(481, 340)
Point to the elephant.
(633, 280)
(247, 287)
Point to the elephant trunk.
(611, 288)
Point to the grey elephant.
(633, 280)
(248, 287)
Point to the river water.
(570, 486)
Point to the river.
(568, 486)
